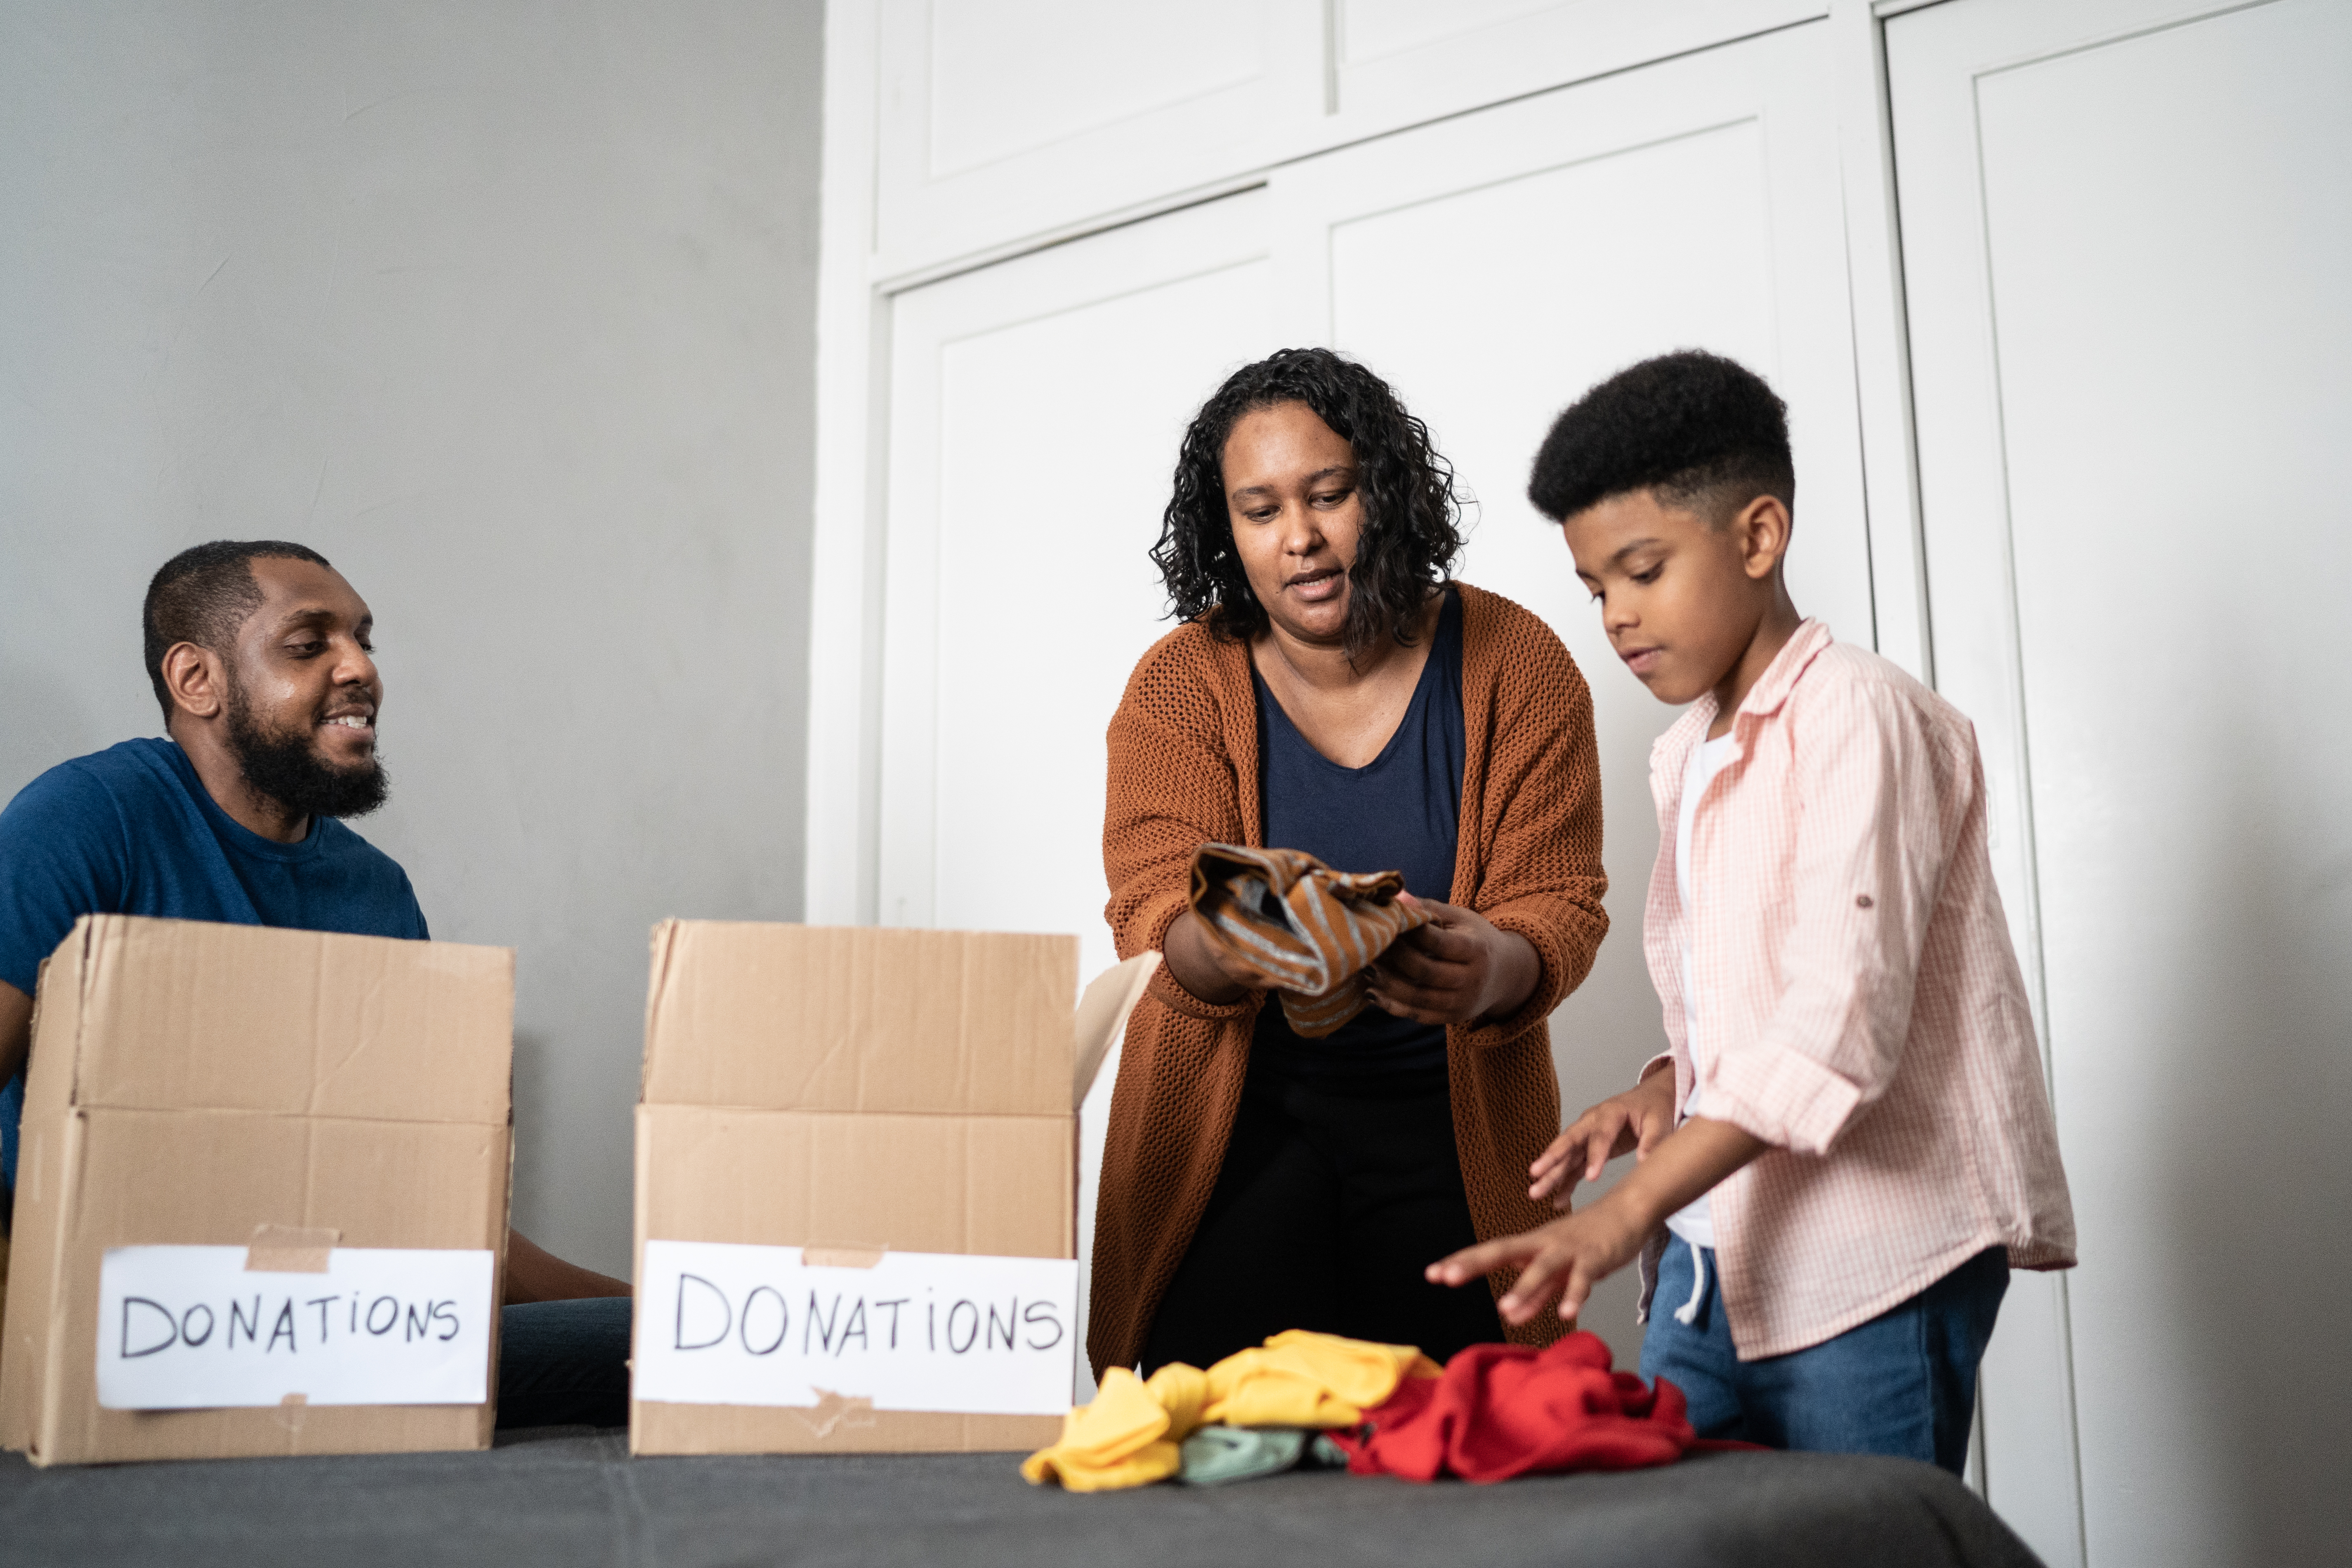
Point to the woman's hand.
(1199, 968)
(1458, 969)
(1627, 1124)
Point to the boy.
(1853, 1148)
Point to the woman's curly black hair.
(1410, 540)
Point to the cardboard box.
(861, 1092)
(288, 1093)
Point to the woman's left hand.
(1459, 968)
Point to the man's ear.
(1762, 528)
(196, 679)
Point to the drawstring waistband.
(1687, 1313)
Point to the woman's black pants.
(1335, 1193)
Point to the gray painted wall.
(507, 309)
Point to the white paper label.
(186, 1328)
(719, 1323)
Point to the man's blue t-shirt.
(131, 831)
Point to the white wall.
(507, 309)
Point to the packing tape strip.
(290, 1249)
(832, 1411)
(846, 1255)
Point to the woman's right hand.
(1631, 1122)
(1199, 968)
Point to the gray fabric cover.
(573, 1497)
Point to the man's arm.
(535, 1274)
(15, 1030)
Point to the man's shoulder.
(96, 788)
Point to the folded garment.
(1131, 1434)
(1302, 1379)
(1217, 1456)
(1501, 1411)
(1307, 931)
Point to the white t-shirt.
(1693, 1224)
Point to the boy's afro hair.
(1704, 430)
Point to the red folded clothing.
(1511, 1410)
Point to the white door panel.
(1037, 409)
(2126, 237)
(1005, 121)
(1494, 268)
(1007, 118)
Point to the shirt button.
(1863, 902)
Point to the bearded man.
(261, 658)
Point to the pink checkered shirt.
(1863, 1013)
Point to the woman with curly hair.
(1331, 689)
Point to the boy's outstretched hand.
(1565, 1258)
(1572, 1254)
(1627, 1124)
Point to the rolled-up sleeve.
(1866, 787)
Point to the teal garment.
(1214, 1456)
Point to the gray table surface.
(573, 1496)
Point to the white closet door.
(1493, 266)
(2127, 232)
(1036, 411)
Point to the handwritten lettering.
(192, 1328)
(705, 1296)
(747, 1324)
(837, 1322)
(150, 1327)
(783, 1320)
(1041, 1316)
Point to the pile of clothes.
(1495, 1411)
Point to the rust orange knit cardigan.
(1184, 772)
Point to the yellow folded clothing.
(1129, 1437)
(1302, 1379)
(1132, 1433)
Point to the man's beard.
(285, 768)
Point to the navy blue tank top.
(1399, 812)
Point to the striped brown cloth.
(1304, 929)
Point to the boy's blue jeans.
(1903, 1383)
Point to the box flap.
(189, 1014)
(1102, 1017)
(788, 1017)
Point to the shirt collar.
(1764, 698)
(1780, 678)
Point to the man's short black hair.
(202, 594)
(1703, 431)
